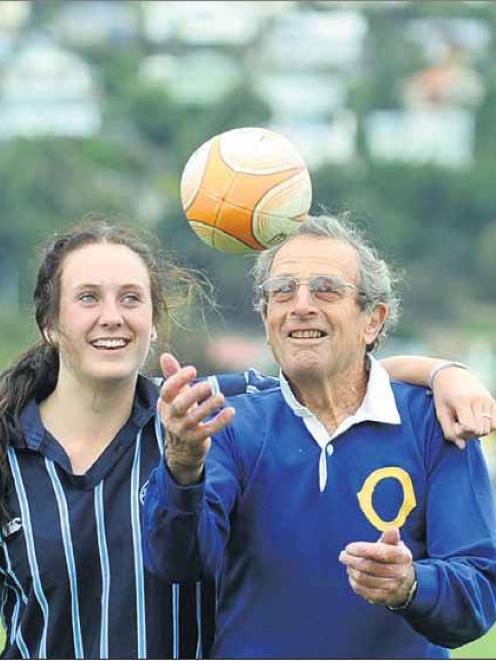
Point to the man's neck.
(335, 399)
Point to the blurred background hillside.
(392, 104)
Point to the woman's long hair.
(36, 371)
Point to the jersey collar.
(378, 405)
(144, 407)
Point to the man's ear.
(376, 319)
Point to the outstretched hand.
(380, 572)
(464, 407)
(186, 409)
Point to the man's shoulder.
(408, 393)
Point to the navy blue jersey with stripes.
(74, 582)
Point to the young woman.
(78, 439)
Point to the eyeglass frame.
(298, 282)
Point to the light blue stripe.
(11, 573)
(69, 558)
(199, 643)
(22, 645)
(15, 629)
(32, 560)
(159, 434)
(175, 620)
(105, 569)
(138, 552)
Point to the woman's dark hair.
(36, 371)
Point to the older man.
(334, 516)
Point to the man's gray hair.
(377, 283)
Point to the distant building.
(449, 83)
(438, 36)
(13, 15)
(302, 94)
(314, 39)
(441, 136)
(47, 91)
(97, 22)
(200, 77)
(206, 23)
(321, 143)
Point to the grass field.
(484, 648)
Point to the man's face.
(312, 338)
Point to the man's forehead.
(309, 254)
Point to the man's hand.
(183, 407)
(464, 407)
(380, 572)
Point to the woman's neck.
(85, 419)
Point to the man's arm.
(464, 407)
(453, 600)
(175, 502)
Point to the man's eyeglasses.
(326, 288)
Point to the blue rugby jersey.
(74, 583)
(264, 523)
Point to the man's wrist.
(409, 598)
(185, 475)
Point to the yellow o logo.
(366, 494)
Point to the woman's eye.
(87, 298)
(131, 298)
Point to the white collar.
(378, 405)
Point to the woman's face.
(105, 322)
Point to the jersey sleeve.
(186, 528)
(456, 595)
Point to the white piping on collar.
(378, 405)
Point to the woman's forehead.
(103, 262)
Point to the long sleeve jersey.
(270, 532)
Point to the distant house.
(199, 77)
(302, 94)
(212, 23)
(323, 142)
(312, 39)
(449, 83)
(97, 22)
(47, 91)
(441, 136)
(13, 15)
(438, 36)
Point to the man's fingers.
(371, 581)
(372, 567)
(182, 403)
(390, 536)
(378, 552)
(175, 383)
(169, 364)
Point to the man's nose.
(303, 301)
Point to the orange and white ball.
(245, 189)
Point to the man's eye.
(327, 287)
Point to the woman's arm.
(464, 406)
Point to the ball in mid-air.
(245, 189)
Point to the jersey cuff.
(427, 588)
(179, 499)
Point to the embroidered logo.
(11, 527)
(142, 492)
(366, 493)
